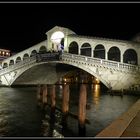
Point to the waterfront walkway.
(127, 125)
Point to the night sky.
(25, 24)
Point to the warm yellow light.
(96, 87)
(57, 36)
(7, 53)
(3, 52)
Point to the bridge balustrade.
(103, 62)
(18, 65)
(74, 58)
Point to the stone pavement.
(133, 130)
(127, 125)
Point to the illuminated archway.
(34, 52)
(114, 54)
(57, 37)
(5, 65)
(73, 47)
(86, 49)
(99, 51)
(11, 62)
(130, 57)
(18, 59)
(26, 56)
(42, 49)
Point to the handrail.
(74, 57)
(102, 62)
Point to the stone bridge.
(114, 62)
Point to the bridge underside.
(50, 72)
(47, 73)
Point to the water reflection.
(101, 110)
(20, 116)
(51, 125)
(96, 94)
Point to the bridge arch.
(5, 65)
(42, 49)
(73, 48)
(18, 59)
(61, 74)
(114, 54)
(99, 51)
(25, 56)
(11, 62)
(130, 57)
(86, 49)
(34, 52)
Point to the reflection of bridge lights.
(97, 81)
(96, 87)
(60, 87)
(96, 94)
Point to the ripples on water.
(20, 116)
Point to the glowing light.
(57, 36)
(96, 94)
(96, 88)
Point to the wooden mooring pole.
(82, 110)
(65, 106)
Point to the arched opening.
(34, 52)
(86, 49)
(5, 65)
(73, 48)
(42, 49)
(11, 62)
(114, 54)
(26, 56)
(62, 42)
(57, 39)
(99, 51)
(130, 57)
(18, 59)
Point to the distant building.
(4, 54)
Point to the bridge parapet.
(84, 60)
(100, 63)
(18, 65)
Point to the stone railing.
(18, 65)
(39, 57)
(100, 62)
(74, 59)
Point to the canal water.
(21, 117)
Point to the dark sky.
(25, 24)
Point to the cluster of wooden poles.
(42, 96)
